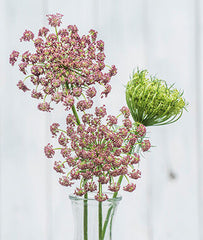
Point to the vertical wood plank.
(199, 99)
(23, 183)
(79, 13)
(2, 76)
(121, 25)
(174, 166)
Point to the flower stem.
(109, 211)
(76, 114)
(57, 34)
(73, 108)
(106, 222)
(119, 182)
(100, 214)
(27, 77)
(85, 217)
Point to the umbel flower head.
(64, 66)
(95, 153)
(151, 101)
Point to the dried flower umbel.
(152, 102)
(64, 66)
(97, 150)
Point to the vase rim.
(91, 197)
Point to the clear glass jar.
(93, 220)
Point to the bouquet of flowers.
(99, 152)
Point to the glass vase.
(93, 220)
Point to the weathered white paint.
(163, 36)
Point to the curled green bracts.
(152, 102)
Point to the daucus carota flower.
(93, 34)
(27, 36)
(62, 139)
(98, 153)
(13, 57)
(45, 106)
(43, 32)
(100, 111)
(106, 91)
(101, 197)
(127, 123)
(141, 130)
(91, 92)
(145, 145)
(135, 159)
(114, 187)
(64, 66)
(113, 71)
(77, 92)
(65, 181)
(91, 186)
(22, 67)
(49, 151)
(36, 94)
(80, 191)
(100, 45)
(22, 86)
(75, 174)
(54, 129)
(135, 174)
(65, 152)
(103, 179)
(58, 167)
(55, 19)
(152, 102)
(111, 120)
(125, 111)
(130, 187)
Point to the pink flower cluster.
(98, 151)
(63, 65)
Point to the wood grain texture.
(163, 36)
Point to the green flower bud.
(152, 102)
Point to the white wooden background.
(164, 36)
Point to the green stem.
(100, 214)
(110, 209)
(85, 217)
(76, 114)
(106, 222)
(57, 34)
(57, 148)
(111, 222)
(73, 108)
(27, 77)
(62, 130)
